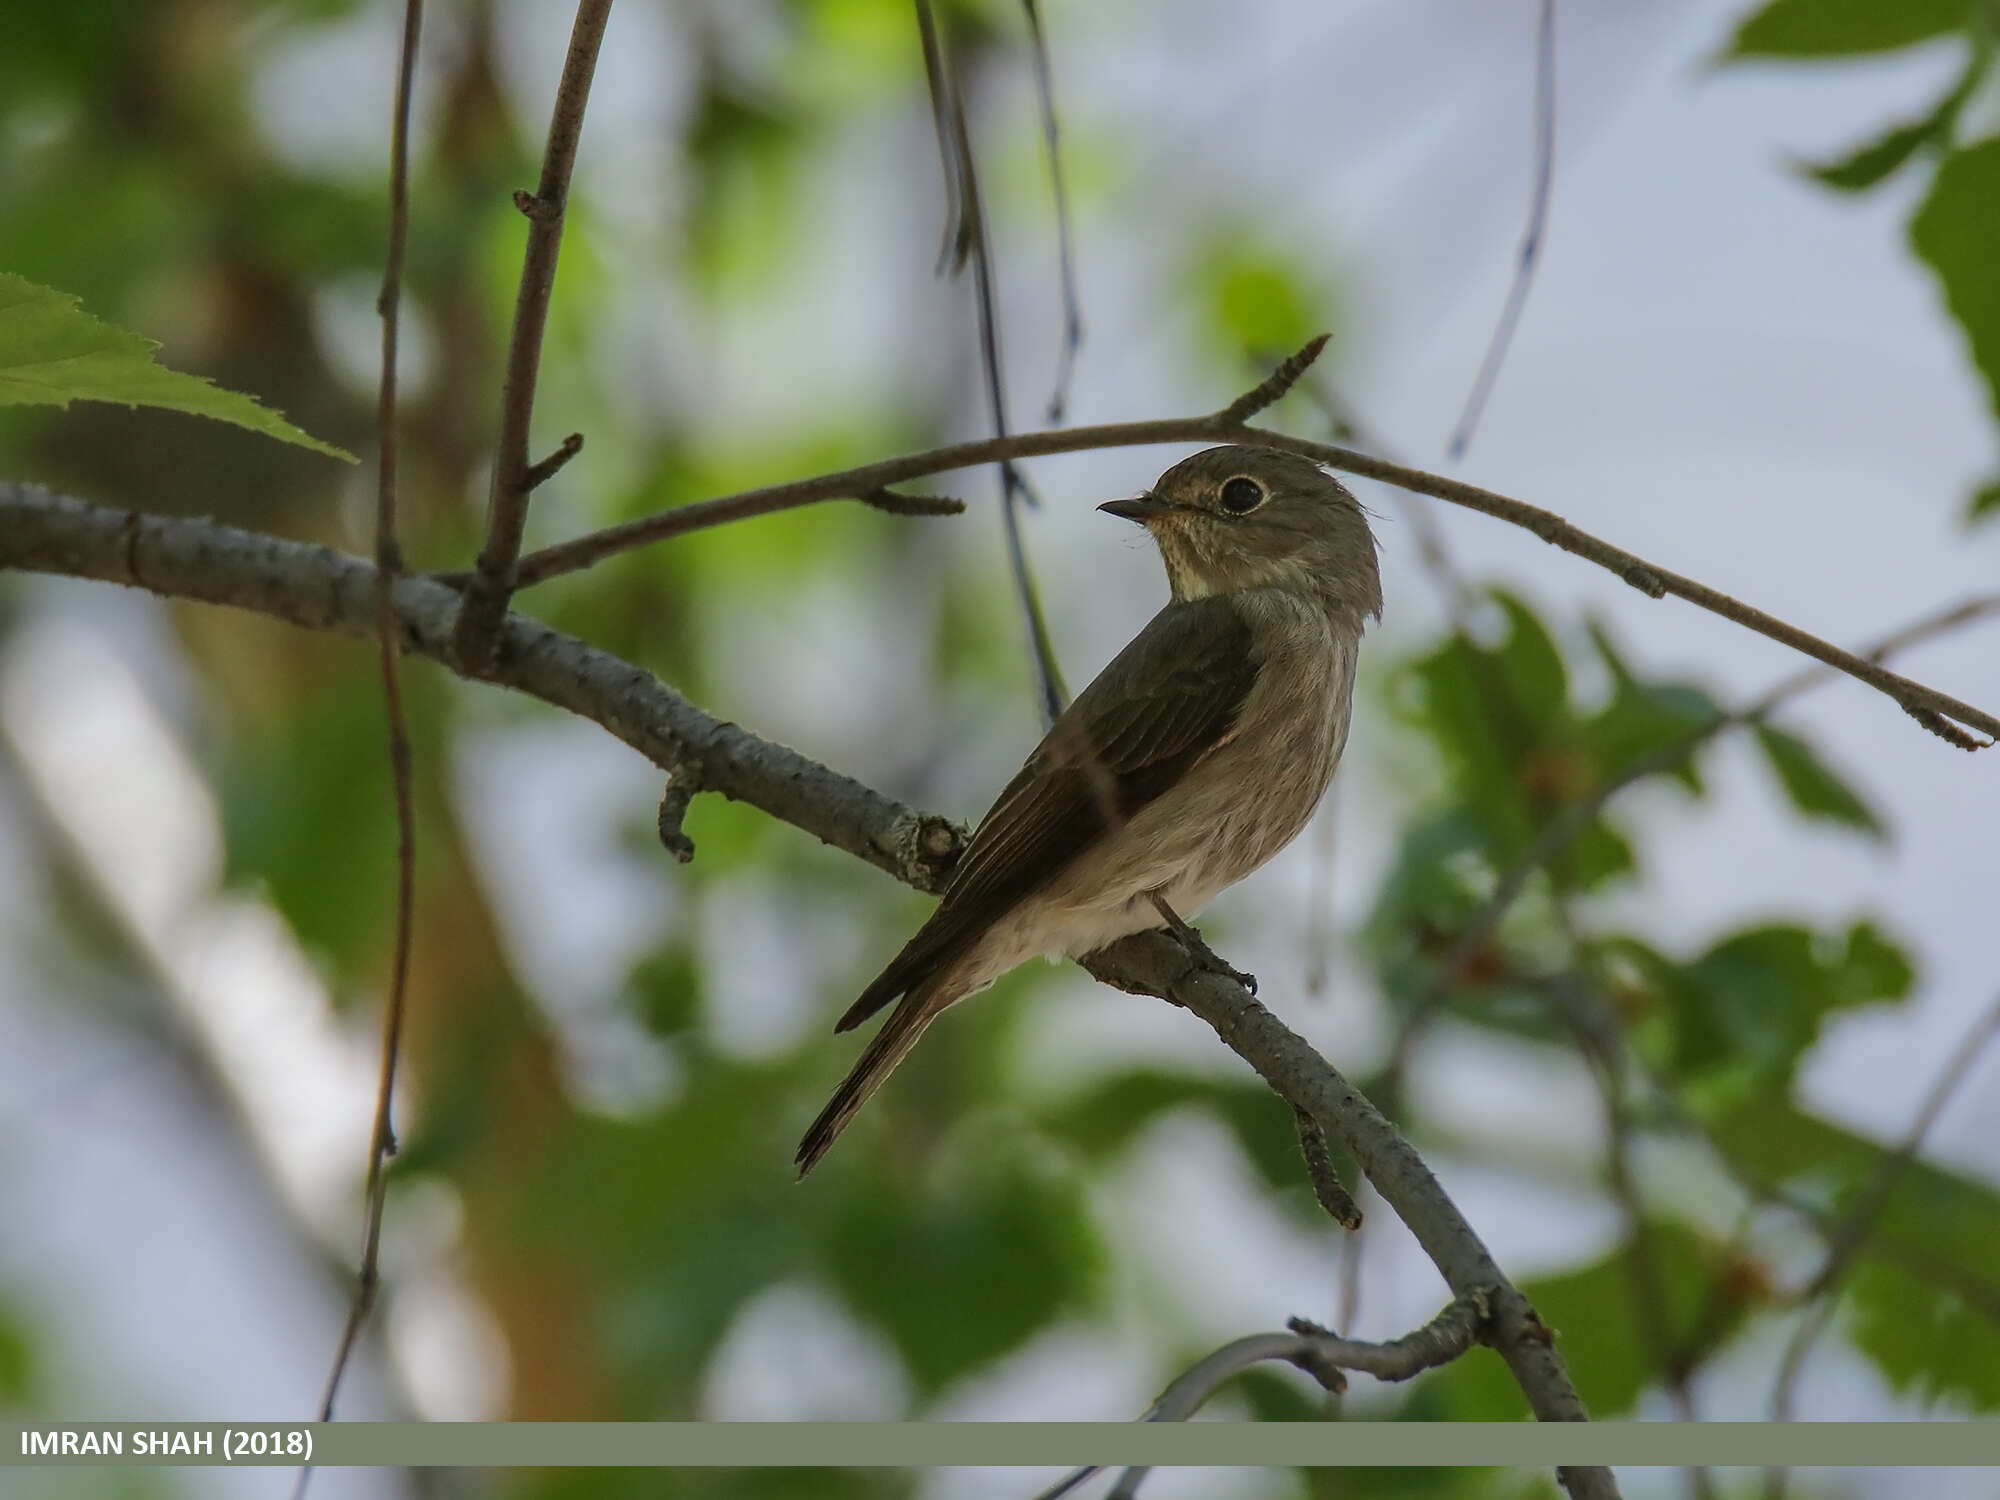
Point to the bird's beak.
(1140, 508)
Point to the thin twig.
(1272, 388)
(543, 470)
(1347, 1309)
(1045, 91)
(967, 239)
(1321, 1354)
(679, 791)
(1531, 237)
(1327, 1186)
(514, 477)
(1936, 711)
(1845, 1242)
(388, 569)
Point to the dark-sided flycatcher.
(1195, 756)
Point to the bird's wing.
(1167, 699)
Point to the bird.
(1197, 754)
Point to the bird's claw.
(1192, 945)
(1214, 962)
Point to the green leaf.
(1840, 28)
(1875, 160)
(52, 352)
(1736, 1020)
(1872, 161)
(17, 1362)
(979, 1263)
(666, 988)
(1499, 716)
(1254, 299)
(1643, 718)
(1107, 1117)
(1531, 666)
(1985, 502)
(306, 815)
(1872, 968)
(1814, 789)
(1926, 1340)
(1958, 233)
(1936, 1221)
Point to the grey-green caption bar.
(940, 1444)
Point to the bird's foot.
(1198, 950)
(1214, 962)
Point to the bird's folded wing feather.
(1166, 700)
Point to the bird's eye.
(1242, 495)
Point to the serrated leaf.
(1812, 786)
(1842, 28)
(52, 352)
(1958, 234)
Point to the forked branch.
(514, 475)
(1942, 714)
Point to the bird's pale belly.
(1230, 815)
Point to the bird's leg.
(1198, 950)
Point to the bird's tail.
(877, 1061)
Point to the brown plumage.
(1196, 755)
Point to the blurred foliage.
(1954, 229)
(1843, 28)
(619, 1248)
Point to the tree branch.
(1321, 1354)
(1936, 711)
(322, 589)
(514, 477)
(1151, 963)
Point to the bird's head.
(1242, 517)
